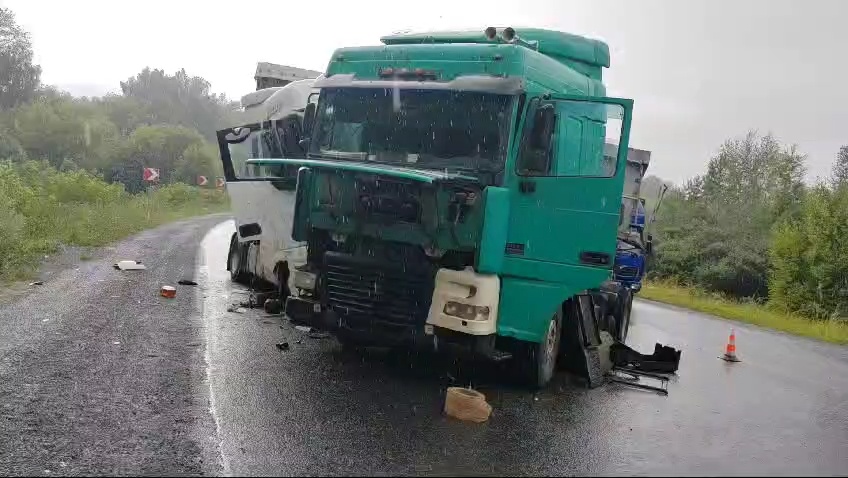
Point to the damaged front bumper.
(308, 311)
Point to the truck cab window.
(269, 140)
(586, 139)
(571, 138)
(535, 157)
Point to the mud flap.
(613, 301)
(582, 340)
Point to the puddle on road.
(215, 278)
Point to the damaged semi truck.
(268, 125)
(464, 189)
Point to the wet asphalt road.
(99, 375)
(190, 389)
(316, 410)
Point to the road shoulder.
(101, 375)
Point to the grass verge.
(833, 331)
(42, 209)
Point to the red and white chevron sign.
(219, 182)
(151, 174)
(202, 181)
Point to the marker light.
(404, 73)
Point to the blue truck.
(634, 246)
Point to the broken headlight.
(467, 311)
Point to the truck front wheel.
(541, 359)
(235, 261)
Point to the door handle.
(527, 187)
(594, 258)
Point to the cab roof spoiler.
(503, 85)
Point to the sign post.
(151, 175)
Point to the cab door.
(565, 187)
(262, 196)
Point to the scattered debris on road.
(38, 282)
(283, 345)
(312, 333)
(629, 366)
(467, 404)
(273, 306)
(167, 291)
(664, 359)
(186, 282)
(236, 308)
(129, 266)
(630, 377)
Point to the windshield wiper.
(424, 161)
(455, 163)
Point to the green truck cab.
(464, 189)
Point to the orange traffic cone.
(730, 351)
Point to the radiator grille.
(626, 271)
(367, 293)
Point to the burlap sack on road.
(466, 404)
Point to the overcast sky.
(699, 71)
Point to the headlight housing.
(304, 280)
(466, 311)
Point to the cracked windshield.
(419, 128)
(486, 238)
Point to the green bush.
(41, 208)
(177, 194)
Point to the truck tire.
(283, 291)
(235, 261)
(350, 343)
(540, 359)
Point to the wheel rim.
(550, 342)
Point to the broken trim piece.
(129, 266)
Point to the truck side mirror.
(308, 122)
(543, 127)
